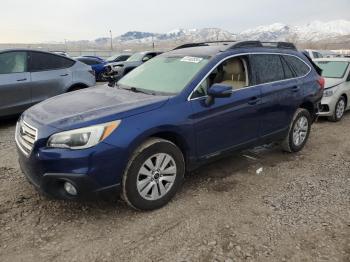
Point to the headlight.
(328, 93)
(83, 137)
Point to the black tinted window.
(288, 72)
(122, 58)
(298, 66)
(13, 62)
(267, 68)
(43, 61)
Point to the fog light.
(70, 189)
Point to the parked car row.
(119, 69)
(168, 116)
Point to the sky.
(33, 21)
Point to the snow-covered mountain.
(311, 32)
(189, 35)
(314, 31)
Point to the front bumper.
(52, 185)
(94, 172)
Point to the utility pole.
(110, 33)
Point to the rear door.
(279, 90)
(15, 86)
(50, 75)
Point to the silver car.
(28, 77)
(335, 101)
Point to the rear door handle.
(21, 80)
(295, 89)
(64, 75)
(254, 100)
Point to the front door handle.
(21, 80)
(254, 100)
(295, 89)
(64, 75)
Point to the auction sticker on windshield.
(192, 59)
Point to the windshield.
(333, 69)
(135, 57)
(112, 58)
(167, 75)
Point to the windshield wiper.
(138, 90)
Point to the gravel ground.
(296, 209)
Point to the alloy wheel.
(340, 108)
(156, 176)
(300, 130)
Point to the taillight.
(321, 81)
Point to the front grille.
(26, 136)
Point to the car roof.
(196, 51)
(212, 48)
(26, 50)
(334, 59)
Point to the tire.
(145, 184)
(339, 110)
(290, 143)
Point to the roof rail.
(188, 45)
(244, 44)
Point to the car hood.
(91, 106)
(332, 82)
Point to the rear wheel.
(76, 88)
(154, 174)
(339, 110)
(299, 131)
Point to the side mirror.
(218, 91)
(145, 59)
(348, 80)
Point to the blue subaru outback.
(168, 116)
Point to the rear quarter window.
(299, 67)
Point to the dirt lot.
(297, 209)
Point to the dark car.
(168, 116)
(120, 69)
(97, 64)
(118, 58)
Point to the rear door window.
(39, 61)
(298, 66)
(13, 62)
(267, 68)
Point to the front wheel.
(299, 131)
(339, 110)
(154, 174)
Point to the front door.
(227, 123)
